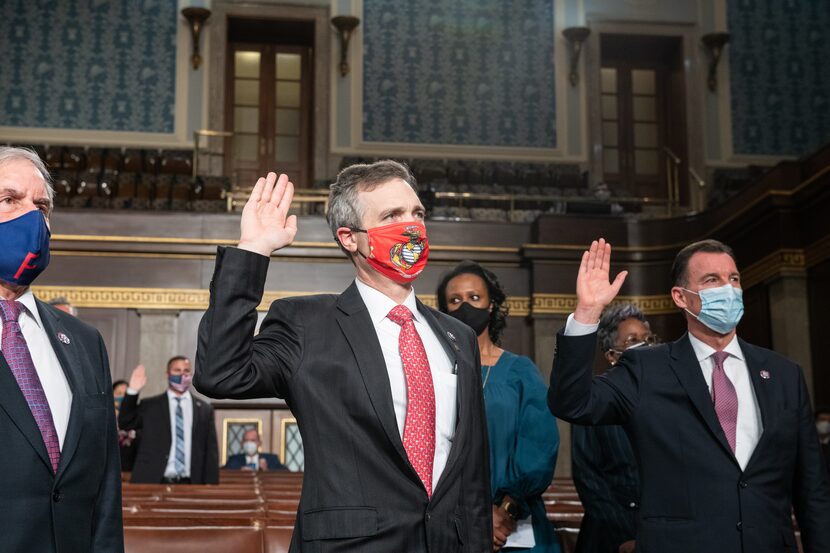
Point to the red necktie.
(725, 398)
(19, 359)
(419, 428)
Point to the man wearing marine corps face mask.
(60, 485)
(722, 429)
(386, 392)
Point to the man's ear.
(347, 239)
(678, 297)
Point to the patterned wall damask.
(466, 72)
(88, 64)
(779, 55)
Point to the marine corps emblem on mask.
(405, 255)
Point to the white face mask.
(250, 448)
(823, 427)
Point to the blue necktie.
(179, 438)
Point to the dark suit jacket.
(606, 477)
(79, 508)
(238, 461)
(695, 497)
(321, 353)
(152, 416)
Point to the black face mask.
(475, 317)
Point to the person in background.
(178, 435)
(604, 466)
(823, 428)
(252, 458)
(126, 438)
(63, 304)
(524, 440)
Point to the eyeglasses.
(635, 342)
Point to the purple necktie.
(724, 398)
(20, 362)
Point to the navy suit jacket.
(238, 461)
(79, 508)
(694, 495)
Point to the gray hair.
(12, 153)
(611, 319)
(344, 208)
(61, 300)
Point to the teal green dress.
(524, 441)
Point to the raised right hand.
(265, 224)
(593, 289)
(138, 378)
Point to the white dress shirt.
(48, 368)
(749, 427)
(252, 460)
(187, 411)
(443, 380)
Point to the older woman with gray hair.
(604, 466)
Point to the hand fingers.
(287, 196)
(291, 226)
(592, 256)
(279, 190)
(583, 265)
(605, 262)
(268, 188)
(256, 193)
(618, 282)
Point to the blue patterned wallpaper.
(779, 55)
(88, 64)
(462, 72)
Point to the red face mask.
(398, 251)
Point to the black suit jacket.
(694, 495)
(238, 461)
(152, 416)
(321, 353)
(79, 508)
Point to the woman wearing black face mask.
(523, 436)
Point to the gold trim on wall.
(784, 260)
(225, 433)
(564, 304)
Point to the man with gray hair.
(386, 391)
(604, 465)
(60, 482)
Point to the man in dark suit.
(386, 392)
(252, 458)
(604, 467)
(178, 434)
(722, 429)
(60, 484)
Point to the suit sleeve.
(211, 451)
(811, 490)
(230, 361)
(129, 415)
(576, 396)
(108, 529)
(479, 499)
(592, 479)
(531, 464)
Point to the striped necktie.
(180, 467)
(725, 399)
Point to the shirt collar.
(28, 301)
(704, 351)
(379, 304)
(172, 395)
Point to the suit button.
(744, 484)
(57, 496)
(632, 505)
(429, 516)
(739, 526)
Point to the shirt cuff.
(131, 392)
(575, 328)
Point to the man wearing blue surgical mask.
(60, 484)
(178, 441)
(722, 429)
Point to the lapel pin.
(765, 374)
(451, 336)
(63, 338)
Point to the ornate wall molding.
(564, 304)
(784, 261)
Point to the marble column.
(157, 344)
(789, 321)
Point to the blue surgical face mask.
(721, 308)
(25, 252)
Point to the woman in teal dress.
(523, 436)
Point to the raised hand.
(594, 291)
(265, 224)
(138, 378)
